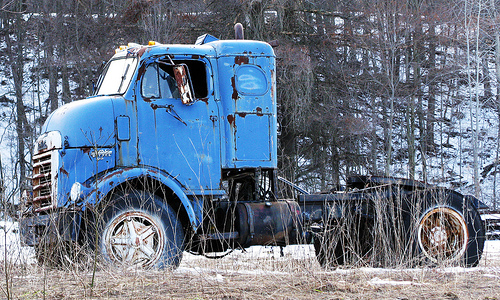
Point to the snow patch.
(11, 249)
(378, 281)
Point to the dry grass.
(260, 273)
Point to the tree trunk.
(497, 102)
(52, 73)
(431, 102)
(475, 112)
(16, 56)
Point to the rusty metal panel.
(248, 108)
(182, 140)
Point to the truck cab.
(194, 126)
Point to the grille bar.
(42, 182)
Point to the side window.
(198, 75)
(158, 82)
(150, 88)
(168, 86)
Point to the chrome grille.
(42, 182)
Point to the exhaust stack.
(238, 31)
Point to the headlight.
(76, 191)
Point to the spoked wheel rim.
(442, 235)
(134, 238)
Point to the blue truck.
(177, 151)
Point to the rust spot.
(146, 99)
(141, 51)
(119, 172)
(111, 183)
(141, 71)
(86, 150)
(127, 102)
(235, 95)
(230, 119)
(242, 114)
(154, 113)
(259, 111)
(195, 56)
(61, 170)
(204, 100)
(154, 106)
(241, 60)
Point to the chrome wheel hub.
(442, 234)
(134, 238)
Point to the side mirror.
(184, 84)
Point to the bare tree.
(15, 27)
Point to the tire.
(448, 229)
(343, 242)
(329, 248)
(54, 255)
(138, 229)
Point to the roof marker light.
(133, 45)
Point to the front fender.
(96, 192)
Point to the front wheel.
(138, 229)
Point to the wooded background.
(398, 88)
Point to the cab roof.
(217, 48)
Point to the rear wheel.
(139, 230)
(449, 230)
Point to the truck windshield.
(116, 77)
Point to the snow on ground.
(378, 281)
(262, 260)
(491, 254)
(258, 260)
(10, 245)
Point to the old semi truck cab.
(190, 125)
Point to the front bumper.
(60, 226)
